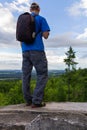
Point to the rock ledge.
(55, 116)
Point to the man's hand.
(45, 34)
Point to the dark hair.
(34, 6)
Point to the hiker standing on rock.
(34, 55)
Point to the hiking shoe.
(29, 104)
(43, 104)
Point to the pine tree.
(71, 66)
(69, 61)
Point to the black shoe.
(29, 104)
(43, 104)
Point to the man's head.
(34, 7)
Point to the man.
(34, 55)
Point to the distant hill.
(17, 74)
(10, 74)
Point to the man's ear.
(38, 9)
(30, 10)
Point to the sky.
(68, 23)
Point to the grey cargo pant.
(39, 61)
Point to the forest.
(71, 86)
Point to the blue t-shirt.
(42, 26)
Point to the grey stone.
(55, 116)
(58, 122)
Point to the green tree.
(69, 61)
(71, 66)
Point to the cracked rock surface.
(54, 116)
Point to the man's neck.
(35, 12)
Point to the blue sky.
(67, 20)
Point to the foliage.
(56, 89)
(78, 85)
(71, 66)
(15, 94)
(10, 92)
(69, 61)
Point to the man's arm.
(45, 34)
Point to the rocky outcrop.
(59, 121)
(55, 116)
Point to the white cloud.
(7, 22)
(82, 63)
(22, 1)
(55, 58)
(66, 40)
(10, 61)
(83, 35)
(9, 56)
(19, 5)
(78, 8)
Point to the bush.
(55, 90)
(15, 95)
